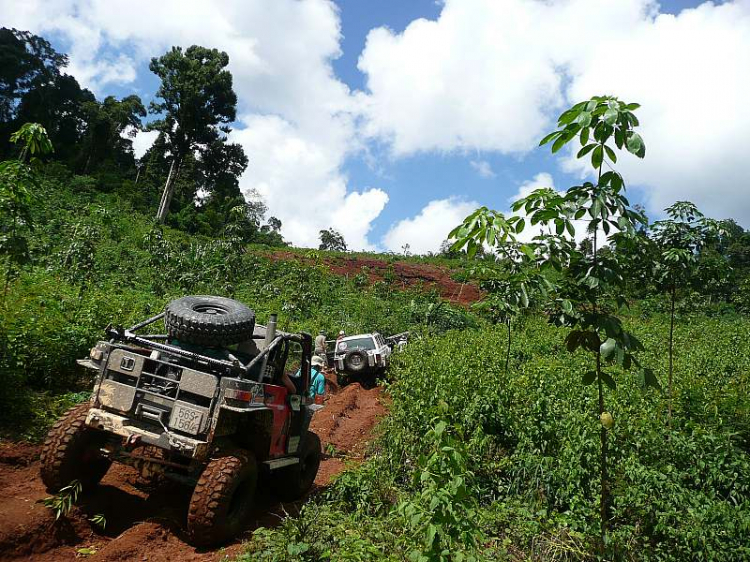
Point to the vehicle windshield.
(357, 343)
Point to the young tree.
(332, 240)
(680, 238)
(588, 289)
(512, 280)
(197, 103)
(18, 181)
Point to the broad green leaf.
(610, 153)
(610, 116)
(584, 135)
(635, 145)
(549, 137)
(597, 156)
(588, 377)
(586, 149)
(608, 380)
(559, 143)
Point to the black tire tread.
(186, 325)
(58, 468)
(212, 492)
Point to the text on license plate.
(186, 419)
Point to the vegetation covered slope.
(95, 260)
(478, 462)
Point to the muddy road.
(147, 524)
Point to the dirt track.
(147, 524)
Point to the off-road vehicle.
(203, 404)
(362, 356)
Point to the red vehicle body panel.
(276, 400)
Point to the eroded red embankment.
(407, 275)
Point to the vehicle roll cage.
(233, 366)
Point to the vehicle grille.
(147, 388)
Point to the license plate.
(186, 419)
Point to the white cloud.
(280, 57)
(143, 141)
(491, 75)
(301, 182)
(541, 180)
(483, 168)
(427, 230)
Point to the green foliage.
(443, 512)
(99, 520)
(62, 503)
(18, 185)
(588, 287)
(332, 240)
(528, 448)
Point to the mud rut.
(148, 524)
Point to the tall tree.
(333, 240)
(108, 125)
(197, 103)
(26, 62)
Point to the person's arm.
(288, 384)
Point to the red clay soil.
(147, 524)
(407, 275)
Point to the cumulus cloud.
(300, 181)
(539, 181)
(280, 57)
(491, 75)
(483, 168)
(428, 229)
(143, 141)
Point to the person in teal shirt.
(317, 380)
(317, 388)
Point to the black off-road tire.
(72, 452)
(209, 321)
(293, 482)
(223, 498)
(355, 361)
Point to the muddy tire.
(209, 321)
(295, 481)
(223, 498)
(72, 452)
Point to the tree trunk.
(604, 497)
(507, 354)
(671, 360)
(138, 174)
(166, 196)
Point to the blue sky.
(393, 139)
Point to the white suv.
(363, 353)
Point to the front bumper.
(122, 426)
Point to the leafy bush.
(529, 439)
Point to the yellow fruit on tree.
(607, 420)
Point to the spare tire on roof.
(210, 321)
